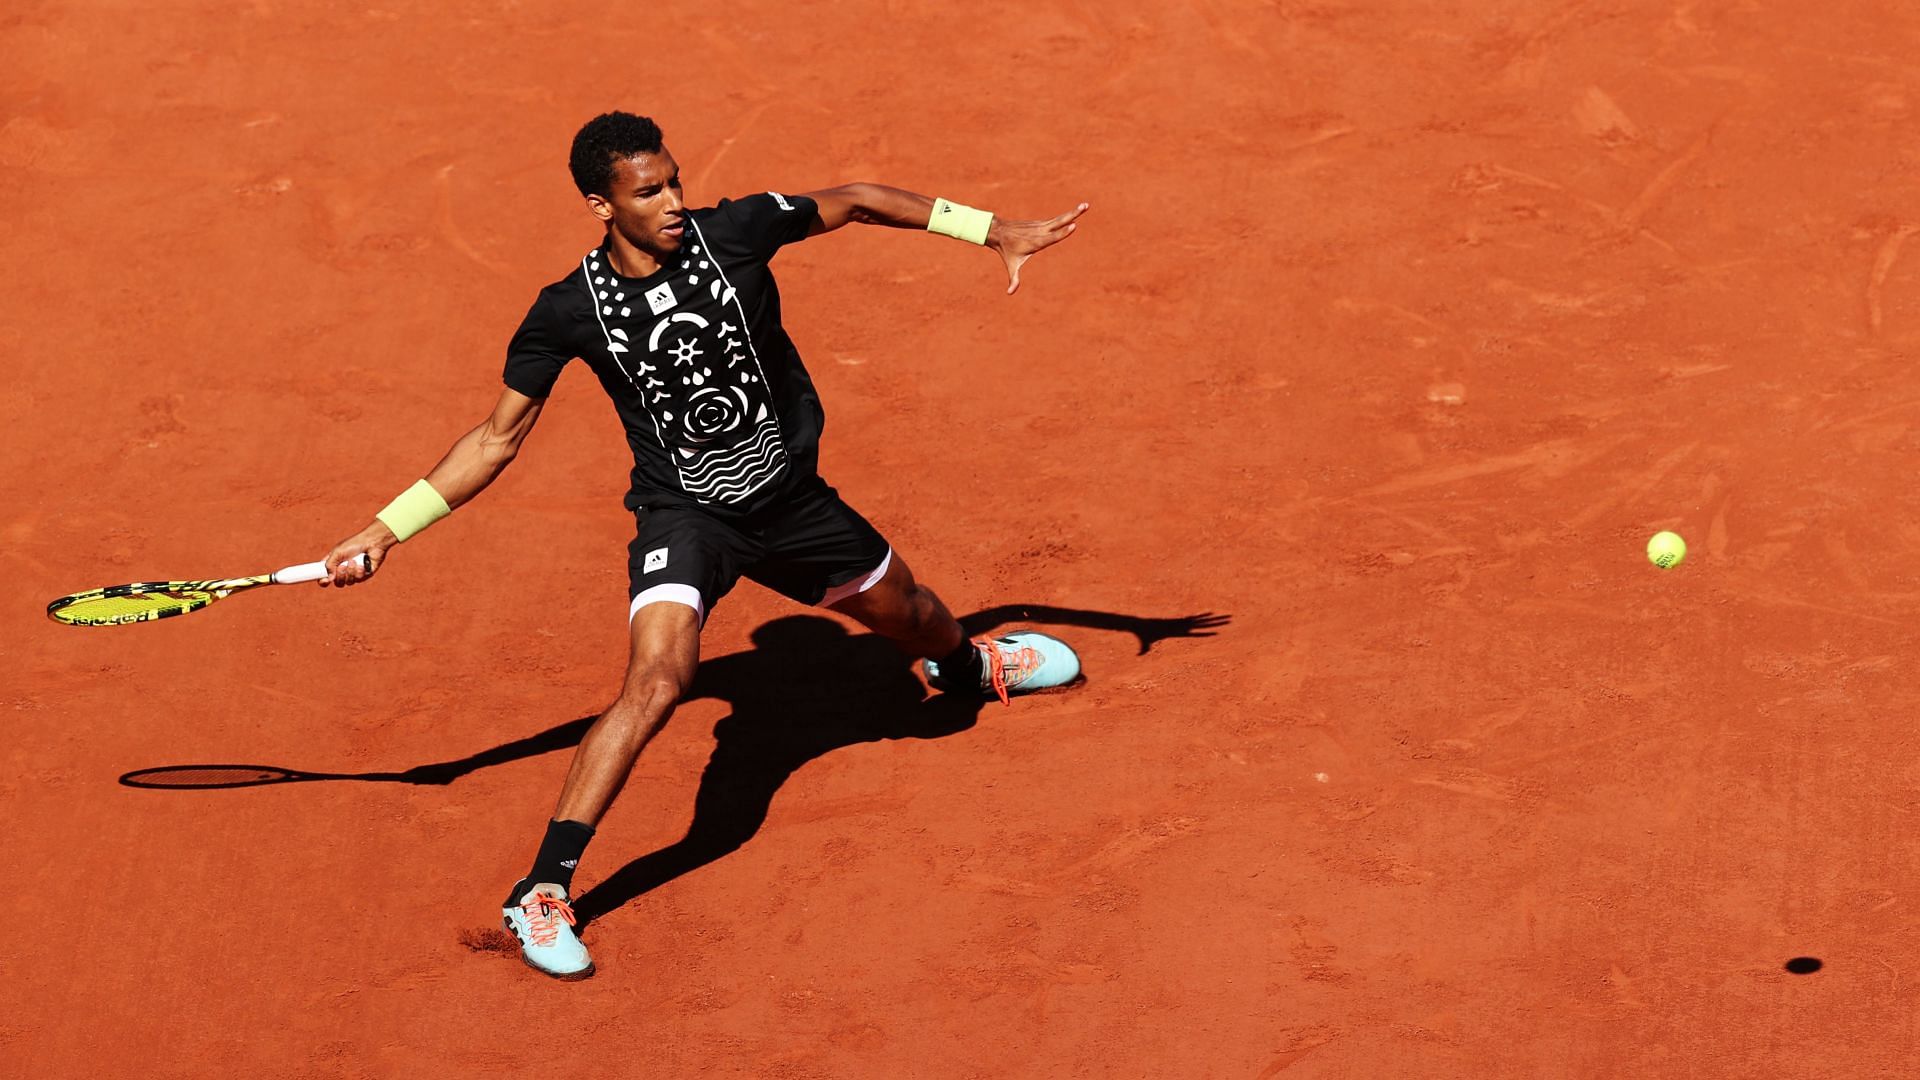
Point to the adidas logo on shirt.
(660, 297)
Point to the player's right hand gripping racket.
(143, 601)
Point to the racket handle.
(310, 571)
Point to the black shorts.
(811, 547)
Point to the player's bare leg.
(902, 609)
(665, 651)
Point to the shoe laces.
(544, 914)
(1008, 665)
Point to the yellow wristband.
(959, 222)
(417, 507)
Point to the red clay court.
(1394, 331)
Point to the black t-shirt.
(719, 411)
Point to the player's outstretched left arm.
(877, 204)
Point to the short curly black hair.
(604, 140)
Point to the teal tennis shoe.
(1023, 662)
(543, 921)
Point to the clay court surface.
(1393, 332)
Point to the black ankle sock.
(559, 854)
(964, 667)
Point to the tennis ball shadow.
(1804, 965)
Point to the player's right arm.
(475, 460)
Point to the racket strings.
(142, 601)
(133, 606)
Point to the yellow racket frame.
(145, 601)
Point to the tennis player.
(678, 316)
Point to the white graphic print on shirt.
(701, 379)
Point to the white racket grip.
(310, 571)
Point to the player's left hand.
(1018, 241)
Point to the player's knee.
(653, 692)
(909, 614)
(923, 607)
(646, 700)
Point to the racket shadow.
(209, 777)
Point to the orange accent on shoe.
(996, 669)
(541, 910)
(1024, 661)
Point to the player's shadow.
(808, 687)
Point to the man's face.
(645, 203)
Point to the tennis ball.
(1666, 550)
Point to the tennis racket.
(143, 601)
